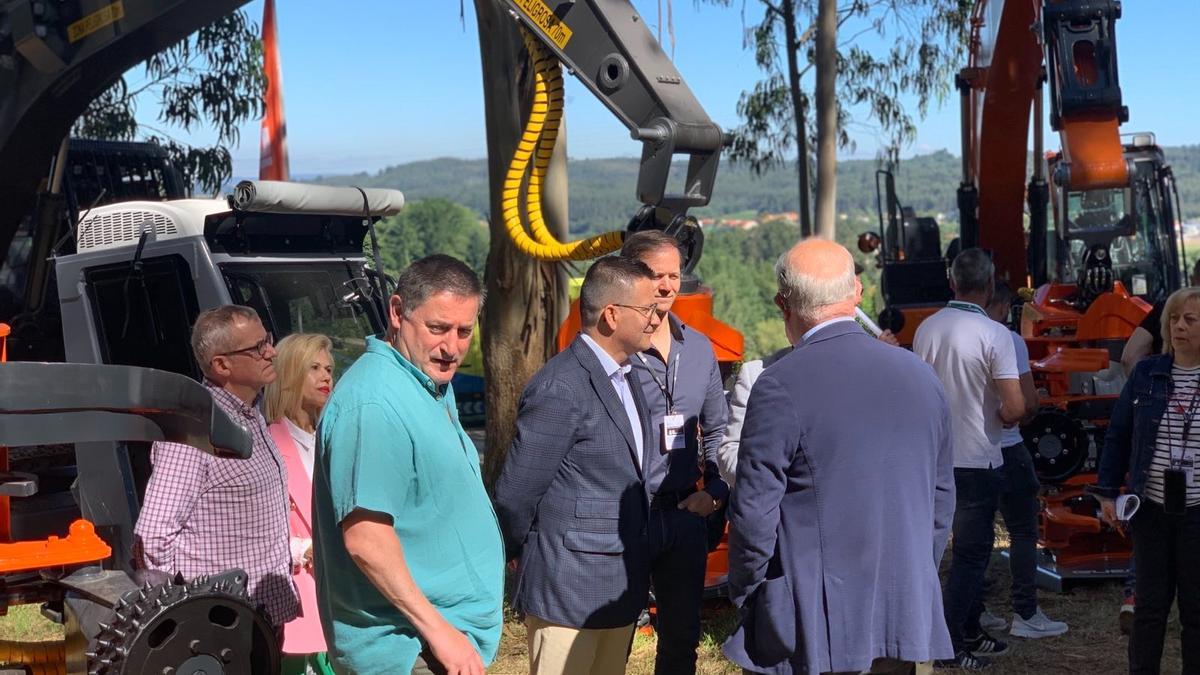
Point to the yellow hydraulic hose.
(549, 86)
(544, 246)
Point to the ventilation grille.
(116, 228)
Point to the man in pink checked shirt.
(204, 515)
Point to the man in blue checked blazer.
(572, 497)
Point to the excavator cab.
(1126, 229)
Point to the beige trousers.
(559, 650)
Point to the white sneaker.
(991, 622)
(1037, 626)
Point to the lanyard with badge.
(966, 307)
(1180, 474)
(672, 423)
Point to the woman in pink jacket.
(294, 401)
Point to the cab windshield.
(309, 297)
(1141, 261)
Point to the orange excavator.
(1088, 280)
(119, 285)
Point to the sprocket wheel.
(205, 626)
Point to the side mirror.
(868, 242)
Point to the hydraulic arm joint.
(608, 47)
(1081, 48)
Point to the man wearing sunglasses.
(572, 496)
(204, 515)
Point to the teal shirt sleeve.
(370, 461)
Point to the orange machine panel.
(913, 316)
(695, 309)
(1113, 315)
(80, 547)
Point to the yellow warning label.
(95, 21)
(551, 25)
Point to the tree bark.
(526, 299)
(787, 9)
(827, 118)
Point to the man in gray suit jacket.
(844, 493)
(572, 497)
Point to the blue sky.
(372, 83)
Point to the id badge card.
(672, 433)
(1175, 491)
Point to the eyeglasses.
(645, 310)
(257, 350)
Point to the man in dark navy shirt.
(686, 400)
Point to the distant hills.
(602, 190)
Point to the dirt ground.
(1093, 645)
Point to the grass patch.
(25, 623)
(1093, 645)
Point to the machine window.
(307, 298)
(145, 319)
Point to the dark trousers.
(977, 492)
(678, 553)
(1019, 507)
(1167, 551)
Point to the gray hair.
(641, 244)
(807, 295)
(608, 282)
(972, 271)
(437, 273)
(210, 333)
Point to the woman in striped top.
(1154, 438)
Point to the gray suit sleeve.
(770, 440)
(713, 417)
(727, 454)
(943, 495)
(547, 420)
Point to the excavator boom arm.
(607, 45)
(56, 57)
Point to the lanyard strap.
(667, 393)
(1189, 416)
(966, 306)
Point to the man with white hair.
(844, 491)
(203, 514)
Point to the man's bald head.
(817, 281)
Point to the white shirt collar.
(607, 362)
(814, 329)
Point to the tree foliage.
(888, 52)
(212, 79)
(432, 226)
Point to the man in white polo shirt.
(974, 358)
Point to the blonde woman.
(304, 365)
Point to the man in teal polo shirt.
(409, 560)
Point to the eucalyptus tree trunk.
(787, 8)
(526, 299)
(827, 118)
